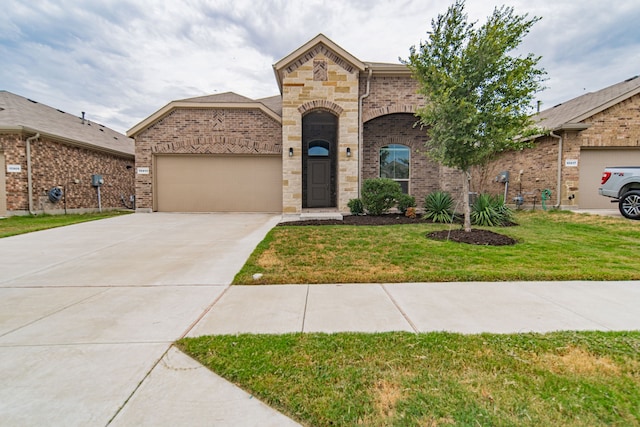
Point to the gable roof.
(305, 52)
(570, 115)
(228, 100)
(19, 114)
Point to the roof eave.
(572, 127)
(71, 141)
(390, 69)
(146, 123)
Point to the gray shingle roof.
(21, 114)
(219, 97)
(581, 108)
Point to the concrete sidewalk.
(424, 307)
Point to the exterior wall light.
(348, 152)
(290, 151)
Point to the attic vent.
(557, 105)
(632, 78)
(101, 130)
(60, 110)
(115, 137)
(31, 100)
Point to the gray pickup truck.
(623, 185)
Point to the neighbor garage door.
(592, 163)
(218, 183)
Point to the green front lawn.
(15, 225)
(435, 379)
(551, 246)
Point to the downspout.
(29, 179)
(559, 184)
(361, 129)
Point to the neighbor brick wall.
(617, 126)
(203, 131)
(55, 164)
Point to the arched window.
(394, 164)
(318, 148)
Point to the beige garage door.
(218, 183)
(592, 163)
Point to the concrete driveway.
(88, 313)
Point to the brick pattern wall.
(388, 95)
(203, 131)
(54, 164)
(618, 126)
(424, 173)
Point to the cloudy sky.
(121, 60)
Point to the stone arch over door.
(319, 159)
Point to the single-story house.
(337, 121)
(588, 133)
(54, 162)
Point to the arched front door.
(319, 158)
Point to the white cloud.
(120, 60)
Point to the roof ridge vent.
(31, 100)
(631, 78)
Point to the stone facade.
(304, 89)
(228, 131)
(70, 167)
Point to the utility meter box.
(503, 177)
(97, 180)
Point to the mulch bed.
(475, 237)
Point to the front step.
(304, 216)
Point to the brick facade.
(615, 127)
(56, 164)
(389, 95)
(203, 131)
(424, 174)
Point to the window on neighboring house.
(394, 164)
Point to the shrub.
(411, 212)
(379, 195)
(405, 202)
(438, 207)
(356, 207)
(490, 211)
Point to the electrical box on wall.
(97, 180)
(503, 177)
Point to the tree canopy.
(478, 95)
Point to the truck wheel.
(629, 204)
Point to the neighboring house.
(589, 132)
(336, 122)
(50, 160)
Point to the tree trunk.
(465, 204)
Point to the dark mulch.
(475, 237)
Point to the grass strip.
(404, 379)
(15, 225)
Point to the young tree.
(478, 97)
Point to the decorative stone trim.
(389, 109)
(217, 145)
(320, 49)
(321, 104)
